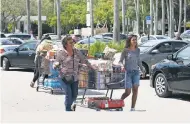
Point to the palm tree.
(116, 29)
(28, 15)
(58, 20)
(185, 16)
(151, 16)
(180, 16)
(168, 15)
(39, 19)
(171, 18)
(123, 16)
(163, 17)
(156, 18)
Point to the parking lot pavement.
(19, 102)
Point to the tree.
(163, 17)
(28, 15)
(180, 16)
(12, 12)
(116, 26)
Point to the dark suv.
(172, 74)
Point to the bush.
(71, 32)
(98, 46)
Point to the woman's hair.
(64, 40)
(128, 41)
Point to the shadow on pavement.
(182, 97)
(21, 70)
(61, 92)
(90, 92)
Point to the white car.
(152, 37)
(22, 36)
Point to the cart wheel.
(120, 109)
(37, 88)
(97, 109)
(51, 91)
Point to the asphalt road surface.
(21, 103)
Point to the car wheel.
(161, 86)
(5, 64)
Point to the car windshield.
(6, 42)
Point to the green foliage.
(117, 46)
(71, 31)
(98, 46)
(10, 27)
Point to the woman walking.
(131, 56)
(36, 61)
(68, 59)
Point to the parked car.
(155, 51)
(92, 40)
(21, 36)
(152, 37)
(16, 41)
(109, 35)
(2, 35)
(172, 74)
(22, 56)
(7, 45)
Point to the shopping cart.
(50, 82)
(106, 103)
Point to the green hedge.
(98, 46)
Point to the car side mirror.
(170, 57)
(155, 51)
(16, 49)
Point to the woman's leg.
(36, 72)
(68, 96)
(35, 78)
(128, 86)
(135, 81)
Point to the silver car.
(153, 52)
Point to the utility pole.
(55, 14)
(39, 20)
(116, 26)
(163, 17)
(185, 14)
(123, 16)
(91, 18)
(151, 17)
(28, 15)
(58, 20)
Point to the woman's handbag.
(68, 79)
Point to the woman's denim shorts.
(132, 78)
